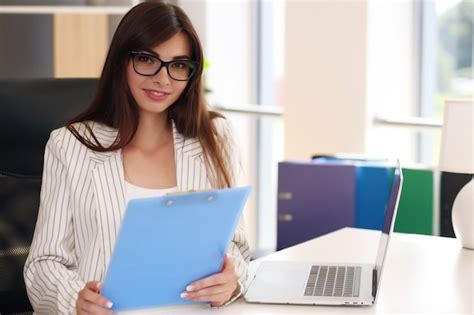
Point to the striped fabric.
(81, 208)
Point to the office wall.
(325, 73)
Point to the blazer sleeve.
(239, 250)
(50, 273)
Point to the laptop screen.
(389, 221)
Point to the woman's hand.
(217, 288)
(89, 301)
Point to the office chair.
(29, 110)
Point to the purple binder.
(313, 199)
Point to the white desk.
(423, 274)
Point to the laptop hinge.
(374, 282)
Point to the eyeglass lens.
(148, 65)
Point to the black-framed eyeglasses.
(149, 65)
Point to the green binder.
(415, 211)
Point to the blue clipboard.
(165, 243)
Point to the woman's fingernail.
(109, 304)
(190, 288)
(184, 295)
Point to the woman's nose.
(162, 76)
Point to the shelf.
(259, 110)
(416, 122)
(11, 9)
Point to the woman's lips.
(157, 96)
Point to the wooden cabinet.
(80, 43)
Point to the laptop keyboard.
(333, 281)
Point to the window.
(271, 21)
(454, 20)
(419, 55)
(446, 67)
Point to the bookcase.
(57, 41)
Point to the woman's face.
(154, 94)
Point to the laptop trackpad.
(279, 279)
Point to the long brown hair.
(146, 26)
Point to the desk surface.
(423, 274)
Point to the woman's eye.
(180, 65)
(145, 59)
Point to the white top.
(135, 192)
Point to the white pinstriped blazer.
(81, 207)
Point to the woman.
(147, 132)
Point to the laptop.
(285, 282)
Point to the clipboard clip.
(177, 193)
(209, 198)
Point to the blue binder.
(165, 243)
(373, 178)
(372, 191)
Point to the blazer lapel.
(108, 179)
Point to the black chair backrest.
(29, 110)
